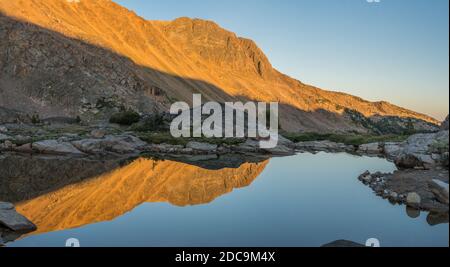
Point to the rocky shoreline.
(112, 141)
(418, 151)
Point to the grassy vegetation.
(348, 139)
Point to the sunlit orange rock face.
(180, 57)
(115, 193)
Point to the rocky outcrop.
(14, 221)
(444, 125)
(418, 151)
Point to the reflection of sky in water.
(304, 200)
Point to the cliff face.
(89, 58)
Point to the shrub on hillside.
(150, 123)
(128, 117)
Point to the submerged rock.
(6, 235)
(343, 244)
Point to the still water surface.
(302, 200)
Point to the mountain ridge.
(186, 56)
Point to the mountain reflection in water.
(59, 194)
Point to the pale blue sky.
(395, 50)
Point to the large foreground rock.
(13, 220)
